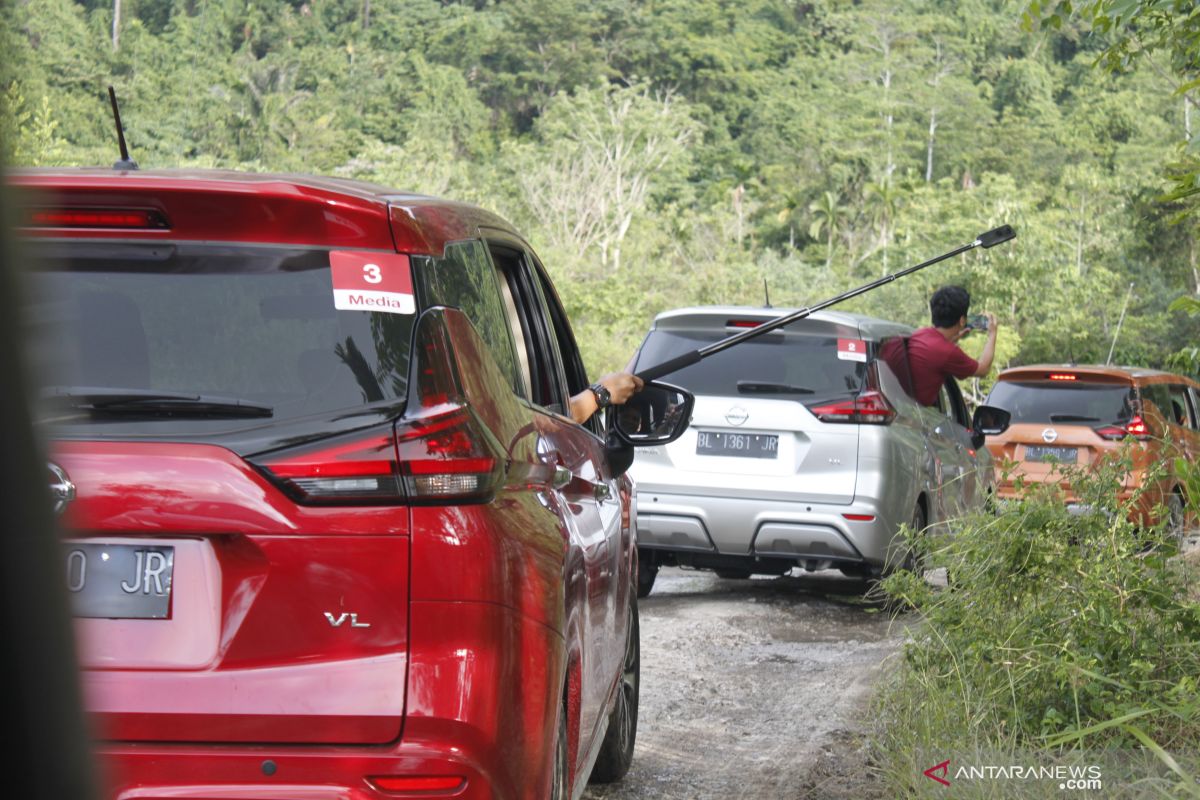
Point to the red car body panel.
(203, 205)
(486, 620)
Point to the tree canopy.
(680, 152)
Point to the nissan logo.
(736, 416)
(61, 488)
(1049, 435)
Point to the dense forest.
(676, 152)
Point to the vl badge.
(341, 618)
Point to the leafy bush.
(1056, 632)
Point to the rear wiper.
(152, 402)
(766, 387)
(1072, 418)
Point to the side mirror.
(658, 414)
(988, 421)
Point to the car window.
(255, 323)
(564, 342)
(1063, 402)
(530, 325)
(465, 278)
(956, 407)
(1181, 407)
(1159, 396)
(780, 365)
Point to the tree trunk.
(366, 14)
(929, 146)
(116, 29)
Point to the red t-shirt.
(931, 357)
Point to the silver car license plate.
(1063, 455)
(745, 445)
(120, 581)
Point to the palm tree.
(828, 214)
(882, 201)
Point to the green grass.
(1060, 639)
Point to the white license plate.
(1063, 455)
(120, 581)
(744, 445)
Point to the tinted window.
(255, 323)
(465, 278)
(1181, 407)
(1063, 402)
(779, 365)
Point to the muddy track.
(755, 688)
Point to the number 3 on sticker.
(371, 273)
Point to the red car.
(331, 531)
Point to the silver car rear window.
(791, 366)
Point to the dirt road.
(755, 689)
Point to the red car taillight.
(360, 468)
(869, 408)
(1136, 428)
(439, 452)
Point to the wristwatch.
(603, 398)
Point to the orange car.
(1072, 415)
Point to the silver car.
(805, 449)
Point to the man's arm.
(620, 385)
(989, 348)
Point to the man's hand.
(621, 386)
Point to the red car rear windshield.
(255, 323)
(1076, 401)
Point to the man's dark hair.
(948, 305)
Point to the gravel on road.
(756, 688)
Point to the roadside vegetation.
(1060, 639)
(678, 152)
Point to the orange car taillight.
(869, 408)
(1136, 428)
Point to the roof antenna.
(766, 295)
(126, 163)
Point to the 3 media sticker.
(365, 281)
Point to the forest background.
(677, 152)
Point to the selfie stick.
(990, 239)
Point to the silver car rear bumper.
(739, 527)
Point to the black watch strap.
(603, 398)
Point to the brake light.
(417, 783)
(131, 218)
(438, 453)
(357, 469)
(869, 408)
(743, 323)
(1136, 428)
(1061, 376)
(446, 456)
